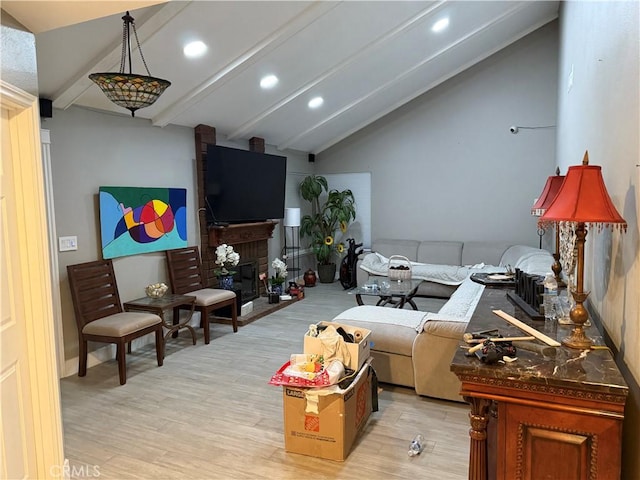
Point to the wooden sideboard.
(556, 418)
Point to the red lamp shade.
(548, 194)
(583, 198)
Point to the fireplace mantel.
(235, 234)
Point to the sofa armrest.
(433, 350)
(445, 329)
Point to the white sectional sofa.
(413, 348)
(433, 253)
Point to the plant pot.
(226, 282)
(310, 278)
(273, 298)
(327, 273)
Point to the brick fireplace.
(250, 240)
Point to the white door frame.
(32, 260)
(45, 139)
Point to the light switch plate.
(66, 244)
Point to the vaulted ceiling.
(364, 58)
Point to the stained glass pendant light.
(129, 90)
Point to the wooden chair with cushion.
(185, 276)
(100, 317)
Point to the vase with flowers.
(226, 259)
(279, 277)
(325, 220)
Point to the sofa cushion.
(440, 253)
(460, 307)
(435, 290)
(528, 259)
(513, 254)
(489, 253)
(378, 264)
(388, 247)
(393, 330)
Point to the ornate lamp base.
(579, 317)
(577, 339)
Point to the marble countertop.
(591, 371)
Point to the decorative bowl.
(156, 290)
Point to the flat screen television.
(243, 186)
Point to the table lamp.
(548, 195)
(291, 217)
(582, 199)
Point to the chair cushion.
(121, 324)
(211, 296)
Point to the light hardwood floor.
(209, 412)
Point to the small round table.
(160, 305)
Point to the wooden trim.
(241, 233)
(538, 395)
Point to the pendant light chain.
(125, 43)
(135, 34)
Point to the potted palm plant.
(336, 212)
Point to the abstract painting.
(136, 220)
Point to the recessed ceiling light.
(440, 25)
(194, 49)
(315, 102)
(269, 81)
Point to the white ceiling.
(365, 58)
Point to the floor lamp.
(292, 221)
(582, 199)
(548, 195)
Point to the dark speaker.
(312, 157)
(46, 108)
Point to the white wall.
(18, 62)
(90, 149)
(601, 113)
(446, 167)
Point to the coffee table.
(160, 305)
(391, 292)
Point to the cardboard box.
(359, 352)
(331, 432)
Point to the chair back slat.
(93, 290)
(185, 270)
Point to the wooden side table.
(539, 417)
(160, 305)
